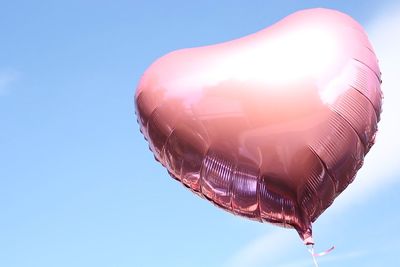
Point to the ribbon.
(323, 253)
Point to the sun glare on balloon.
(290, 57)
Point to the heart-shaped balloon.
(271, 126)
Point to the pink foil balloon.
(272, 126)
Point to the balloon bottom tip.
(308, 241)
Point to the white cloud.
(6, 78)
(266, 250)
(382, 164)
(332, 258)
(276, 247)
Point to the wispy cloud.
(332, 258)
(267, 249)
(6, 79)
(275, 248)
(381, 165)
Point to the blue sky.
(78, 186)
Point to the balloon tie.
(315, 255)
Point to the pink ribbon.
(323, 253)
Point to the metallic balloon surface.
(271, 126)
